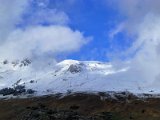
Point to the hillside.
(80, 107)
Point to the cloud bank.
(142, 23)
(29, 29)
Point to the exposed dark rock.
(32, 81)
(123, 96)
(75, 68)
(25, 62)
(17, 90)
(7, 91)
(5, 62)
(15, 63)
(16, 84)
(30, 91)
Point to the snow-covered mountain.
(68, 76)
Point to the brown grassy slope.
(86, 105)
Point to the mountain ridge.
(68, 76)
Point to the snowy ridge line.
(70, 76)
(110, 95)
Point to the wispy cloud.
(142, 20)
(10, 13)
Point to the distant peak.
(68, 62)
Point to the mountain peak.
(68, 62)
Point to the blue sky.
(93, 18)
(97, 19)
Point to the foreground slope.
(80, 107)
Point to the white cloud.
(119, 28)
(143, 20)
(39, 12)
(47, 16)
(33, 39)
(40, 40)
